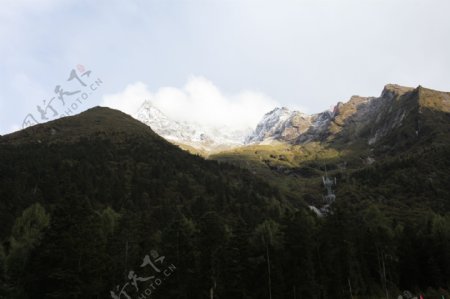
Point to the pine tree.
(27, 234)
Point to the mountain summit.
(208, 138)
(95, 122)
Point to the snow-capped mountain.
(193, 134)
(361, 120)
(396, 115)
(282, 124)
(272, 125)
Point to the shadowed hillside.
(87, 202)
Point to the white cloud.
(198, 101)
(128, 100)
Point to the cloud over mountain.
(199, 100)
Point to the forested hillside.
(89, 204)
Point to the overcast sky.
(212, 60)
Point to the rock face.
(398, 114)
(280, 124)
(192, 134)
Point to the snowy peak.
(270, 125)
(201, 137)
(149, 112)
(282, 124)
(162, 125)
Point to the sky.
(221, 62)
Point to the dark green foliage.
(77, 219)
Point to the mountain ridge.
(359, 116)
(281, 124)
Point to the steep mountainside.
(358, 134)
(368, 121)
